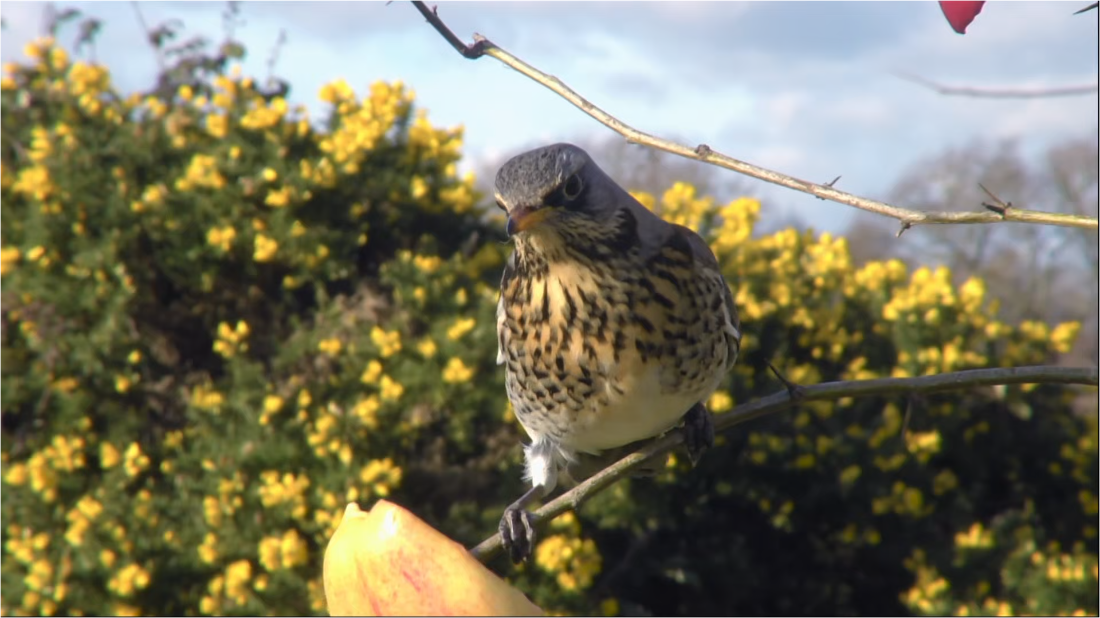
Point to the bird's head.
(553, 190)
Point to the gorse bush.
(223, 321)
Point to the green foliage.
(222, 323)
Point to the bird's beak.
(523, 218)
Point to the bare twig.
(473, 52)
(149, 35)
(780, 401)
(999, 93)
(908, 218)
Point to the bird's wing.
(705, 258)
(502, 331)
(654, 232)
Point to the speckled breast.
(602, 354)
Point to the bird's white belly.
(642, 411)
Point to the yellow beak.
(522, 219)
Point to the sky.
(806, 88)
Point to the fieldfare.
(613, 324)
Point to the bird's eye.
(572, 188)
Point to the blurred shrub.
(221, 323)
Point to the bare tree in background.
(1037, 272)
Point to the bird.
(613, 325)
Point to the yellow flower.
(426, 347)
(217, 126)
(231, 340)
(9, 257)
(460, 328)
(278, 198)
(265, 248)
(391, 390)
(330, 346)
(208, 550)
(202, 172)
(720, 402)
(371, 373)
(366, 410)
(389, 343)
(206, 398)
(16, 474)
(135, 460)
(335, 92)
(237, 576)
(128, 580)
(221, 237)
(108, 455)
(427, 263)
(381, 475)
(1064, 335)
(456, 371)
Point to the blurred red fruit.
(960, 14)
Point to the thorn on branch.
(998, 206)
(794, 391)
(915, 400)
(1087, 8)
(831, 184)
(703, 150)
(472, 52)
(904, 226)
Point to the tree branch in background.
(908, 218)
(999, 93)
(829, 391)
(153, 38)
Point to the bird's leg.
(698, 432)
(517, 526)
(794, 391)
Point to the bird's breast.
(597, 355)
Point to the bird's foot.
(517, 533)
(794, 391)
(698, 432)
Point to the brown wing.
(705, 259)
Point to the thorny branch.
(778, 402)
(907, 217)
(1000, 93)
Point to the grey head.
(559, 189)
(556, 183)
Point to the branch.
(999, 93)
(908, 218)
(157, 51)
(781, 401)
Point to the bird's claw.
(698, 432)
(517, 533)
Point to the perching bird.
(613, 324)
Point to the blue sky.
(806, 88)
